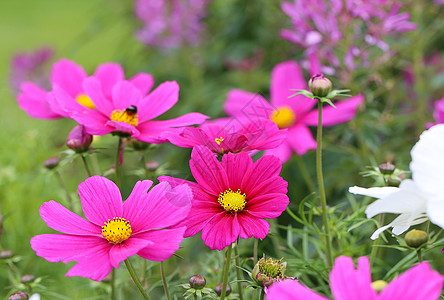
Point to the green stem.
(418, 252)
(117, 165)
(135, 279)
(328, 247)
(376, 242)
(255, 246)
(262, 294)
(85, 163)
(226, 270)
(113, 284)
(62, 183)
(165, 285)
(305, 174)
(238, 273)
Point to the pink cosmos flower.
(419, 282)
(228, 135)
(114, 231)
(68, 76)
(232, 197)
(128, 111)
(295, 114)
(438, 113)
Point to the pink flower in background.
(294, 114)
(420, 282)
(233, 197)
(128, 110)
(169, 24)
(114, 230)
(68, 77)
(438, 113)
(228, 135)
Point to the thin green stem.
(135, 279)
(62, 184)
(262, 294)
(117, 164)
(238, 272)
(376, 242)
(328, 246)
(305, 174)
(85, 163)
(165, 285)
(418, 252)
(113, 284)
(226, 270)
(255, 246)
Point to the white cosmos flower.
(415, 200)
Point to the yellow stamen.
(125, 116)
(232, 201)
(283, 117)
(219, 140)
(379, 285)
(85, 101)
(116, 230)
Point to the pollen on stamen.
(116, 230)
(232, 201)
(283, 117)
(85, 101)
(125, 116)
(218, 140)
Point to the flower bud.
(78, 140)
(266, 271)
(319, 85)
(379, 285)
(152, 165)
(197, 282)
(218, 289)
(6, 254)
(28, 278)
(19, 296)
(51, 162)
(415, 238)
(387, 168)
(137, 145)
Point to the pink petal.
(96, 268)
(69, 76)
(315, 65)
(162, 207)
(349, 284)
(109, 74)
(283, 152)
(291, 290)
(143, 82)
(247, 105)
(222, 230)
(252, 226)
(93, 88)
(122, 127)
(300, 139)
(267, 206)
(59, 218)
(266, 136)
(159, 101)
(235, 166)
(266, 167)
(164, 243)
(125, 95)
(419, 282)
(275, 184)
(120, 252)
(32, 99)
(101, 199)
(94, 122)
(208, 171)
(286, 76)
(344, 112)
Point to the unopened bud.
(387, 168)
(218, 289)
(19, 296)
(152, 165)
(198, 282)
(137, 145)
(319, 85)
(379, 285)
(51, 162)
(415, 238)
(393, 182)
(28, 278)
(6, 254)
(78, 139)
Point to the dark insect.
(131, 110)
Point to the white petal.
(435, 211)
(376, 234)
(375, 192)
(428, 160)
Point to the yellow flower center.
(283, 117)
(116, 230)
(232, 201)
(128, 115)
(85, 101)
(219, 140)
(379, 285)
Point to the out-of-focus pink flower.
(232, 197)
(438, 113)
(169, 24)
(420, 282)
(228, 135)
(114, 230)
(127, 110)
(294, 114)
(68, 76)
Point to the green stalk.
(328, 246)
(226, 270)
(238, 273)
(117, 166)
(85, 163)
(135, 279)
(418, 252)
(376, 242)
(165, 285)
(255, 246)
(262, 294)
(113, 284)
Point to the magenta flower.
(228, 135)
(295, 114)
(438, 113)
(233, 197)
(128, 111)
(114, 230)
(68, 77)
(419, 282)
